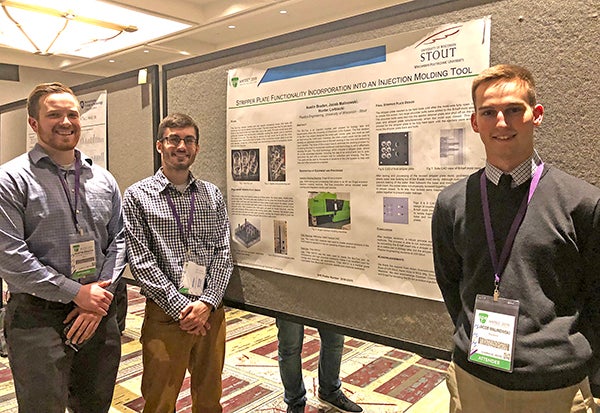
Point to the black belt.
(28, 299)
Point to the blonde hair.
(506, 72)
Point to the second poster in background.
(335, 158)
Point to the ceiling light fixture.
(47, 27)
(165, 49)
(67, 16)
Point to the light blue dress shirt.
(36, 222)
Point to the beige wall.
(31, 76)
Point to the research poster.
(335, 158)
(93, 108)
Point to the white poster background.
(333, 171)
(92, 142)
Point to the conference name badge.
(83, 258)
(494, 332)
(192, 279)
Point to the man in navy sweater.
(517, 258)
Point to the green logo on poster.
(234, 81)
(483, 317)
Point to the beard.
(58, 141)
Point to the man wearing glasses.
(177, 234)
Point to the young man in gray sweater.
(517, 257)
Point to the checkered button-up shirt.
(156, 248)
(521, 174)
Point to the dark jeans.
(48, 375)
(291, 337)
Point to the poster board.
(336, 157)
(546, 39)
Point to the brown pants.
(167, 351)
(468, 394)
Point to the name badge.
(83, 258)
(494, 332)
(192, 279)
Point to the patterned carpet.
(381, 379)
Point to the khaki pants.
(468, 394)
(167, 351)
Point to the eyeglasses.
(176, 140)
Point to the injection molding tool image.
(326, 209)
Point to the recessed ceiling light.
(231, 26)
(111, 60)
(160, 48)
(282, 11)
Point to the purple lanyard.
(178, 219)
(65, 185)
(500, 264)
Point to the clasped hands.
(91, 304)
(193, 319)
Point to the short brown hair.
(178, 121)
(43, 89)
(506, 72)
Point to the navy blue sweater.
(553, 270)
